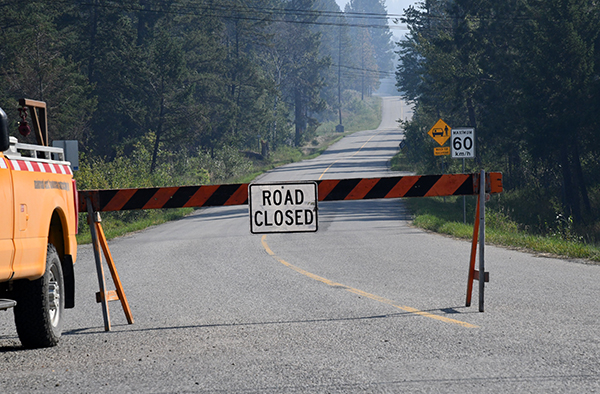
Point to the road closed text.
(283, 207)
(297, 217)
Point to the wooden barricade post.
(104, 296)
(478, 235)
(473, 256)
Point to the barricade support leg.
(99, 269)
(481, 239)
(478, 237)
(104, 296)
(473, 255)
(120, 293)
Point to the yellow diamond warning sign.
(440, 132)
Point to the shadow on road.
(348, 211)
(444, 311)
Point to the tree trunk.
(581, 179)
(159, 128)
(298, 117)
(93, 35)
(571, 202)
(472, 120)
(471, 110)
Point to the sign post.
(283, 208)
(481, 239)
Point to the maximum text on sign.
(283, 208)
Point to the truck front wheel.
(40, 305)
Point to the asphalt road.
(366, 304)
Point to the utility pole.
(340, 127)
(340, 74)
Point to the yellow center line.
(355, 153)
(363, 293)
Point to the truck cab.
(38, 225)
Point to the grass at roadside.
(445, 216)
(115, 225)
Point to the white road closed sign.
(283, 208)
(463, 143)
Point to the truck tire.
(40, 305)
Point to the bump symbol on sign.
(440, 132)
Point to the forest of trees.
(526, 75)
(180, 84)
(186, 77)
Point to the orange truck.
(38, 224)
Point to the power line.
(268, 14)
(358, 70)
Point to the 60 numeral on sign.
(466, 143)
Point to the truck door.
(7, 221)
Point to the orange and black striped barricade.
(328, 190)
(95, 201)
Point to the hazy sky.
(394, 7)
